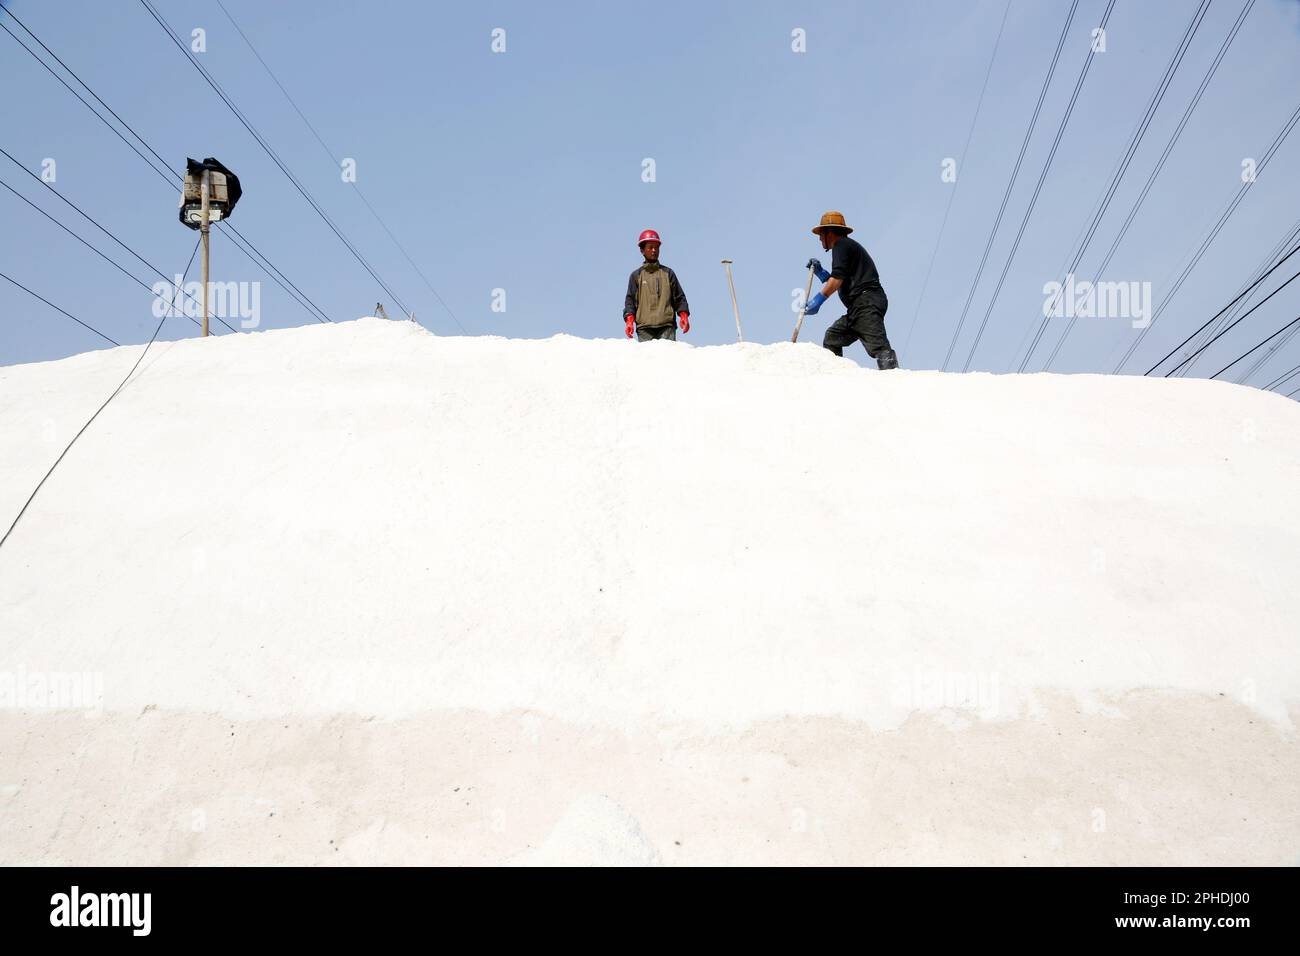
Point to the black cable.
(1214, 232)
(57, 309)
(1157, 169)
(1239, 297)
(1289, 375)
(85, 85)
(216, 87)
(1281, 379)
(1286, 240)
(1259, 362)
(334, 160)
(259, 259)
(1075, 246)
(943, 228)
(1015, 172)
(101, 255)
(1258, 345)
(1033, 200)
(1229, 328)
(168, 175)
(69, 88)
(22, 511)
(1153, 106)
(106, 232)
(1260, 270)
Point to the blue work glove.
(816, 267)
(814, 304)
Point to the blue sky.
(522, 170)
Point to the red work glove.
(685, 319)
(630, 319)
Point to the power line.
(934, 254)
(216, 87)
(91, 220)
(1214, 232)
(1074, 248)
(145, 351)
(1260, 270)
(169, 176)
(1158, 168)
(1287, 376)
(1281, 379)
(1033, 200)
(1236, 300)
(116, 265)
(17, 39)
(236, 237)
(97, 252)
(334, 160)
(1259, 362)
(1259, 345)
(1235, 322)
(1015, 172)
(57, 309)
(1135, 141)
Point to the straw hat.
(835, 219)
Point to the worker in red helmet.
(654, 296)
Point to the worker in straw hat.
(654, 296)
(853, 274)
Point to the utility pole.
(210, 192)
(205, 196)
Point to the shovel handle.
(807, 292)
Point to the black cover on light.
(233, 189)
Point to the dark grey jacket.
(654, 295)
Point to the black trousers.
(865, 323)
(644, 333)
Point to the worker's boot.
(886, 358)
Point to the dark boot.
(886, 358)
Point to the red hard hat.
(649, 236)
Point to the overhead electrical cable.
(1033, 200)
